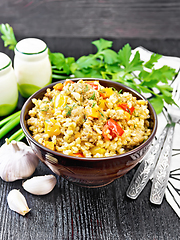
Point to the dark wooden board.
(73, 212)
(95, 18)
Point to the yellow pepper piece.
(52, 127)
(60, 101)
(92, 112)
(102, 104)
(58, 86)
(106, 92)
(77, 135)
(96, 150)
(49, 145)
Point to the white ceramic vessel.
(8, 86)
(32, 66)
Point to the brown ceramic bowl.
(88, 172)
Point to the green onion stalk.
(8, 123)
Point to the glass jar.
(32, 66)
(8, 86)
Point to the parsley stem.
(58, 71)
(59, 76)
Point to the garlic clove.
(17, 202)
(40, 185)
(17, 161)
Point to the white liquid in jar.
(32, 66)
(8, 86)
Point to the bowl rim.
(131, 152)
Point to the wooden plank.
(97, 18)
(73, 212)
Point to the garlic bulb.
(17, 202)
(40, 185)
(17, 161)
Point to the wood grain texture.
(72, 212)
(95, 18)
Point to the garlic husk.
(17, 161)
(40, 185)
(17, 202)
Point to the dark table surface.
(73, 212)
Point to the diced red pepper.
(115, 127)
(105, 132)
(112, 128)
(93, 84)
(125, 107)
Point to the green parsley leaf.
(157, 103)
(110, 56)
(86, 61)
(112, 68)
(153, 59)
(8, 36)
(88, 73)
(135, 64)
(62, 64)
(167, 73)
(150, 84)
(124, 55)
(102, 44)
(57, 59)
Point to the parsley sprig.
(122, 66)
(8, 36)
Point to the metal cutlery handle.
(161, 173)
(146, 167)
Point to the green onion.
(7, 119)
(21, 136)
(9, 126)
(15, 135)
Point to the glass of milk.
(32, 66)
(8, 86)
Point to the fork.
(146, 167)
(162, 170)
(149, 162)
